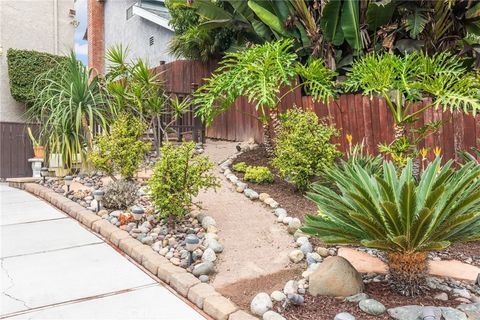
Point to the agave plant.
(396, 214)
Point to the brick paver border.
(185, 284)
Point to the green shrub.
(240, 167)
(303, 147)
(258, 174)
(24, 66)
(395, 213)
(121, 150)
(178, 177)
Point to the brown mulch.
(285, 193)
(325, 308)
(242, 292)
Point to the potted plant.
(38, 150)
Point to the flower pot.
(38, 152)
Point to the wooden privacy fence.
(367, 120)
(16, 149)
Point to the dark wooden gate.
(15, 150)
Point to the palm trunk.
(88, 133)
(267, 139)
(407, 272)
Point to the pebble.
(294, 225)
(441, 296)
(175, 261)
(204, 268)
(344, 316)
(280, 211)
(372, 307)
(209, 255)
(163, 251)
(208, 221)
(296, 256)
(463, 293)
(306, 248)
(260, 304)
(251, 194)
(287, 220)
(214, 245)
(204, 278)
(281, 217)
(357, 297)
(272, 315)
(148, 240)
(278, 296)
(263, 196)
(290, 287)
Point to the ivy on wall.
(24, 66)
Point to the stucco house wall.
(41, 25)
(135, 32)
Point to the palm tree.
(258, 73)
(394, 213)
(402, 81)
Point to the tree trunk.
(88, 133)
(276, 124)
(267, 139)
(407, 272)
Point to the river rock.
(214, 245)
(290, 287)
(204, 268)
(335, 277)
(280, 211)
(344, 316)
(208, 221)
(357, 297)
(296, 256)
(251, 194)
(272, 315)
(372, 307)
(278, 296)
(293, 225)
(261, 304)
(209, 255)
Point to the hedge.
(24, 66)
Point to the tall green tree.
(258, 73)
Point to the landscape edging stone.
(219, 309)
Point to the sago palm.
(394, 213)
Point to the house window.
(151, 40)
(130, 12)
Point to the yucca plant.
(68, 107)
(394, 213)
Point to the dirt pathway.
(254, 245)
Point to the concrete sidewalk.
(53, 268)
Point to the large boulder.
(335, 277)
